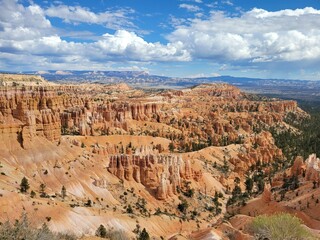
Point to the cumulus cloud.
(29, 39)
(116, 19)
(255, 36)
(189, 7)
(124, 44)
(18, 22)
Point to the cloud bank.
(29, 40)
(255, 36)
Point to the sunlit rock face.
(161, 173)
(312, 168)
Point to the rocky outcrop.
(312, 168)
(218, 90)
(258, 149)
(298, 166)
(21, 79)
(266, 195)
(161, 173)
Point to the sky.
(178, 38)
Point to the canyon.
(115, 148)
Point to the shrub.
(21, 229)
(101, 231)
(32, 194)
(117, 235)
(281, 226)
(129, 209)
(183, 205)
(110, 234)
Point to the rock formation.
(313, 168)
(220, 133)
(298, 166)
(266, 195)
(162, 173)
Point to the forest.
(304, 141)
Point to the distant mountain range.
(283, 88)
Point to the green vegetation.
(171, 147)
(237, 195)
(144, 235)
(141, 235)
(63, 192)
(183, 205)
(32, 194)
(302, 143)
(187, 190)
(110, 234)
(24, 185)
(42, 190)
(249, 184)
(21, 229)
(101, 231)
(282, 226)
(129, 209)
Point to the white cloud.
(28, 39)
(189, 7)
(116, 19)
(60, 72)
(203, 75)
(42, 72)
(124, 44)
(255, 36)
(174, 21)
(21, 22)
(227, 2)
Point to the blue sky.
(184, 38)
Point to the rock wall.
(220, 115)
(161, 173)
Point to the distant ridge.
(9, 79)
(282, 88)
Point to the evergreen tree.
(183, 206)
(249, 184)
(171, 147)
(101, 231)
(63, 192)
(42, 190)
(144, 235)
(32, 194)
(129, 209)
(24, 185)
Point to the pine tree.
(63, 192)
(101, 231)
(42, 190)
(129, 209)
(144, 235)
(24, 185)
(32, 194)
(171, 147)
(249, 184)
